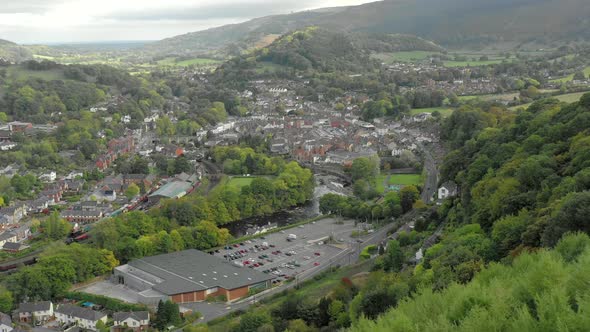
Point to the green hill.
(455, 23)
(544, 291)
(318, 50)
(12, 52)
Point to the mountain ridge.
(448, 22)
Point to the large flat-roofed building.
(175, 189)
(190, 276)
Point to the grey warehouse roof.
(193, 270)
(173, 189)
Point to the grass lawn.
(405, 179)
(571, 77)
(239, 182)
(380, 185)
(444, 111)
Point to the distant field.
(43, 57)
(268, 66)
(239, 182)
(571, 77)
(444, 111)
(471, 63)
(403, 56)
(568, 98)
(20, 73)
(186, 63)
(405, 179)
(504, 96)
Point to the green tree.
(55, 228)
(132, 191)
(408, 195)
(251, 321)
(394, 257)
(6, 300)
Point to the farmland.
(568, 98)
(571, 77)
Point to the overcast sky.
(37, 21)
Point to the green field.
(186, 63)
(568, 98)
(403, 56)
(20, 73)
(405, 179)
(239, 182)
(444, 111)
(571, 77)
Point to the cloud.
(33, 21)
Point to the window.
(211, 291)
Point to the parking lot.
(291, 252)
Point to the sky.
(60, 21)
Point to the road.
(431, 184)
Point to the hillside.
(12, 52)
(544, 291)
(453, 23)
(318, 50)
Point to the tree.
(55, 228)
(167, 314)
(165, 127)
(394, 257)
(181, 164)
(571, 217)
(6, 300)
(408, 195)
(298, 325)
(132, 191)
(251, 321)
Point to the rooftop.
(172, 189)
(193, 270)
(75, 311)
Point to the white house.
(5, 323)
(136, 321)
(83, 317)
(35, 312)
(6, 146)
(448, 189)
(126, 119)
(48, 177)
